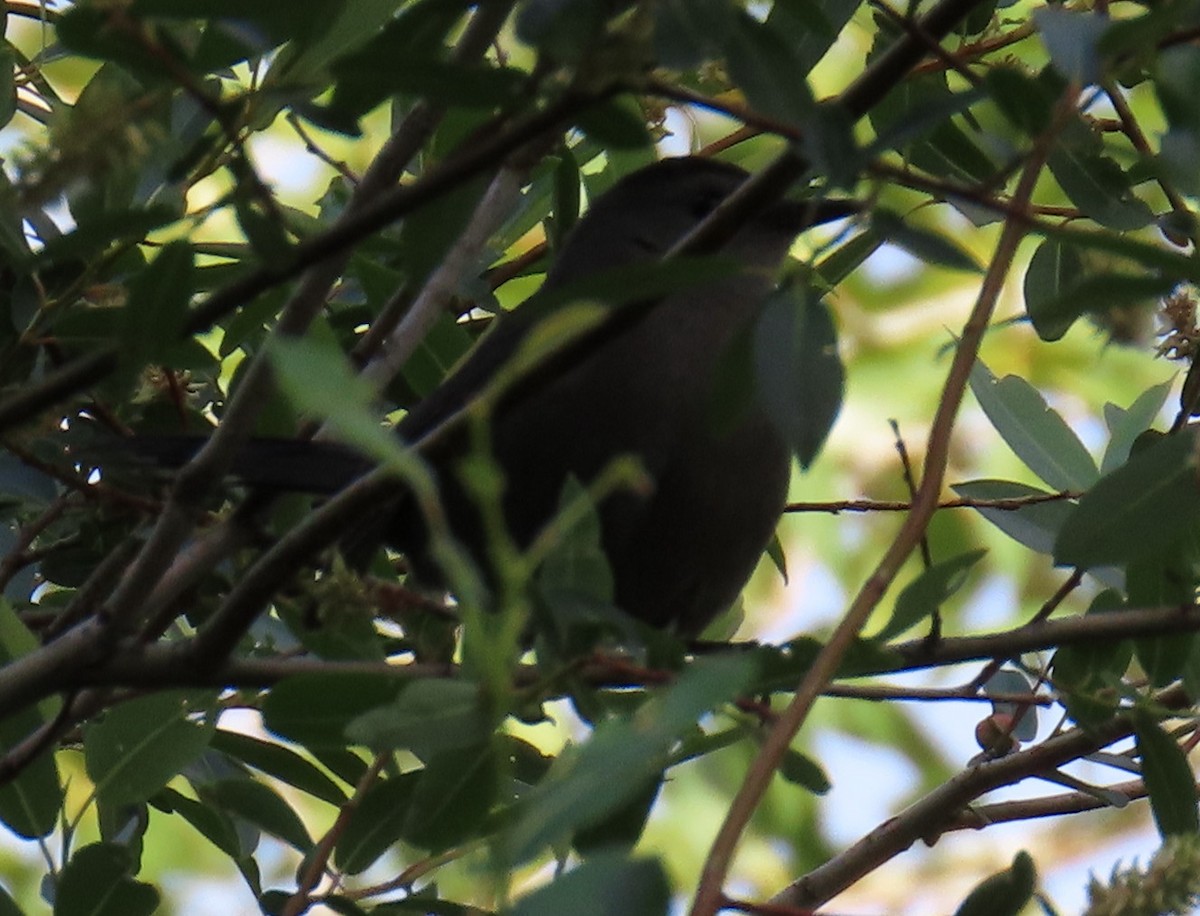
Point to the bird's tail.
(279, 464)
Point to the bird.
(679, 552)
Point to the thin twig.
(1008, 504)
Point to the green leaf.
(281, 762)
(1035, 526)
(314, 709)
(923, 244)
(1163, 579)
(1168, 777)
(1125, 425)
(1086, 674)
(928, 592)
(376, 823)
(452, 798)
(1005, 893)
(1098, 187)
(810, 27)
(137, 747)
(799, 374)
(1054, 269)
(1037, 434)
(1072, 38)
(805, 772)
(97, 882)
(316, 378)
(8, 86)
(576, 569)
(257, 803)
(339, 29)
(1139, 509)
(426, 718)
(566, 29)
(212, 824)
(1026, 102)
(8, 906)
(617, 122)
(1096, 293)
(104, 229)
(765, 67)
(580, 790)
(157, 306)
(605, 885)
(623, 826)
(29, 804)
(848, 257)
(1010, 680)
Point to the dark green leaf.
(563, 28)
(580, 790)
(849, 257)
(765, 67)
(1096, 293)
(8, 87)
(1037, 434)
(97, 882)
(605, 885)
(1072, 37)
(211, 823)
(577, 568)
(1054, 269)
(1125, 425)
(1035, 525)
(810, 27)
(452, 798)
(1163, 579)
(685, 31)
(29, 804)
(1168, 777)
(1139, 509)
(376, 823)
(8, 906)
(1098, 187)
(317, 379)
(313, 709)
(1005, 893)
(1178, 152)
(615, 122)
(102, 230)
(426, 718)
(411, 39)
(157, 306)
(623, 827)
(140, 745)
(800, 377)
(1177, 70)
(1026, 102)
(925, 594)
(922, 244)
(803, 771)
(1087, 673)
(281, 762)
(261, 806)
(364, 82)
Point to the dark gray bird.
(681, 554)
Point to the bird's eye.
(703, 205)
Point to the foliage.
(234, 686)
